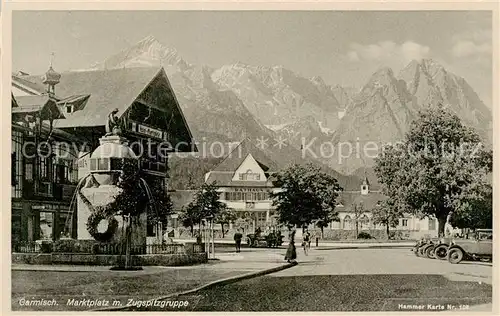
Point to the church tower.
(51, 78)
(365, 186)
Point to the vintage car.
(422, 245)
(439, 250)
(273, 239)
(478, 248)
(427, 250)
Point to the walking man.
(237, 239)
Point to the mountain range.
(240, 101)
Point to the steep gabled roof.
(29, 84)
(108, 89)
(350, 198)
(30, 103)
(236, 157)
(36, 103)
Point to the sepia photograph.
(251, 160)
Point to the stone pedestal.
(105, 165)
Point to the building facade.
(244, 180)
(355, 207)
(69, 112)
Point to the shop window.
(28, 171)
(16, 227)
(65, 225)
(46, 225)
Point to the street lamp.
(210, 218)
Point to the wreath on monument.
(97, 215)
(95, 218)
(129, 201)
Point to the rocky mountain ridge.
(239, 100)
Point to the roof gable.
(347, 200)
(26, 85)
(249, 165)
(159, 95)
(36, 103)
(236, 157)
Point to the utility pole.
(213, 237)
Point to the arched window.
(365, 222)
(347, 222)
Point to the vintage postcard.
(250, 157)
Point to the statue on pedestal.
(113, 124)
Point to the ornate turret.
(51, 78)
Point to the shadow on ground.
(342, 293)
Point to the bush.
(399, 235)
(68, 246)
(364, 235)
(46, 246)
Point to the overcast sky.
(342, 47)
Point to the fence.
(75, 246)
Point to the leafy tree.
(190, 216)
(386, 214)
(306, 195)
(224, 217)
(130, 202)
(325, 221)
(358, 211)
(161, 207)
(431, 170)
(473, 209)
(205, 205)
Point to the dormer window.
(69, 108)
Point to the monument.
(99, 217)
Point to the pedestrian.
(237, 239)
(291, 253)
(306, 241)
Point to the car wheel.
(429, 252)
(415, 251)
(455, 255)
(440, 252)
(421, 252)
